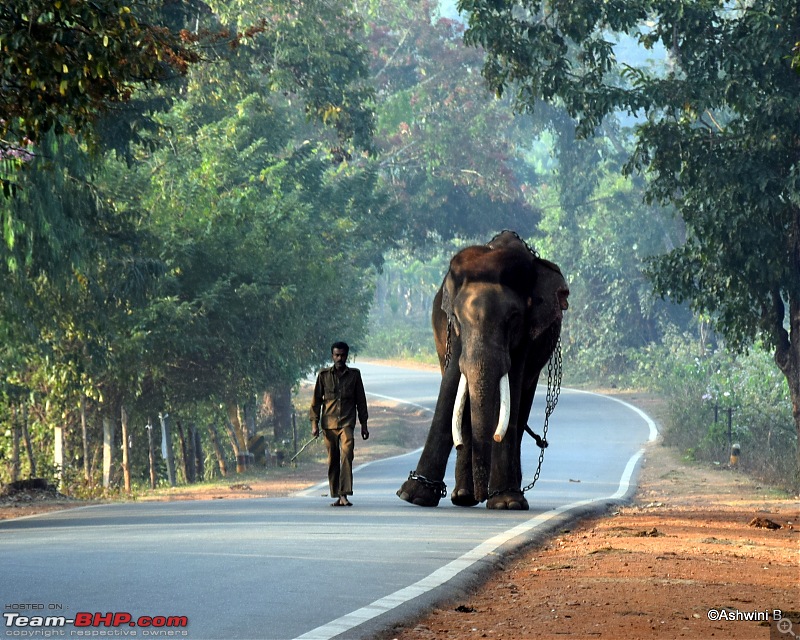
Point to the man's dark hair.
(342, 346)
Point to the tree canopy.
(716, 136)
(450, 155)
(217, 252)
(62, 64)
(200, 195)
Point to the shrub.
(716, 398)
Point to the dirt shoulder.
(695, 543)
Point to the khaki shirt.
(336, 401)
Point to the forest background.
(199, 197)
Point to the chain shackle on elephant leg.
(438, 487)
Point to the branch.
(394, 53)
(716, 124)
(388, 159)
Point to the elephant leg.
(526, 402)
(505, 481)
(464, 492)
(425, 489)
(504, 488)
(512, 500)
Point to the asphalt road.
(289, 568)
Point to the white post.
(108, 450)
(58, 453)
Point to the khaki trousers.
(340, 444)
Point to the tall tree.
(266, 208)
(449, 153)
(218, 262)
(63, 64)
(718, 137)
(602, 247)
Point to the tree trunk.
(787, 350)
(59, 459)
(199, 460)
(108, 450)
(126, 465)
(27, 437)
(152, 454)
(278, 404)
(787, 356)
(249, 411)
(170, 453)
(234, 426)
(95, 456)
(187, 456)
(87, 475)
(212, 432)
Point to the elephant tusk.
(458, 412)
(505, 409)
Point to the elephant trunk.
(461, 401)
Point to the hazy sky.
(448, 8)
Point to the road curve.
(290, 568)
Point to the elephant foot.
(512, 500)
(463, 498)
(419, 494)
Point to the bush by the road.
(715, 400)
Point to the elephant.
(496, 321)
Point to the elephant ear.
(452, 282)
(448, 293)
(543, 311)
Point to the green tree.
(63, 64)
(263, 201)
(68, 260)
(266, 211)
(72, 281)
(601, 246)
(717, 137)
(448, 152)
(213, 259)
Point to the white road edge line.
(648, 420)
(399, 401)
(449, 571)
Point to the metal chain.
(438, 487)
(554, 373)
(533, 251)
(448, 345)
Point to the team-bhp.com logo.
(86, 619)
